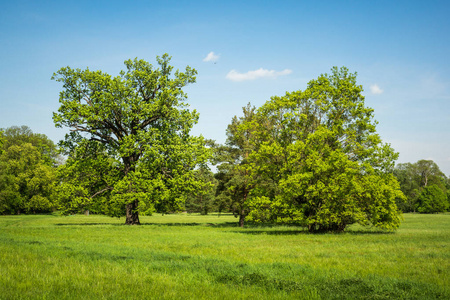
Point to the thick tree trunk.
(132, 214)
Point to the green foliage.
(234, 169)
(15, 135)
(432, 199)
(414, 178)
(86, 179)
(138, 126)
(429, 173)
(327, 166)
(27, 174)
(410, 186)
(202, 200)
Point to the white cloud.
(252, 75)
(211, 57)
(375, 89)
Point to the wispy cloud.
(252, 75)
(211, 57)
(375, 89)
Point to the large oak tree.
(134, 128)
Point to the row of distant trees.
(425, 186)
(310, 158)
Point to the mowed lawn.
(208, 257)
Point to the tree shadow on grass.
(368, 232)
(272, 232)
(88, 224)
(306, 232)
(216, 225)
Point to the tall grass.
(198, 257)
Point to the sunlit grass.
(197, 257)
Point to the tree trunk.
(241, 219)
(242, 212)
(424, 178)
(132, 214)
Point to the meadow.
(187, 256)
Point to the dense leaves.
(432, 199)
(234, 169)
(27, 171)
(16, 135)
(202, 200)
(415, 181)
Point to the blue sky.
(400, 50)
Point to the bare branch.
(102, 191)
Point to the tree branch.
(148, 121)
(102, 191)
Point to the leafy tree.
(16, 135)
(414, 178)
(138, 123)
(409, 184)
(222, 200)
(202, 200)
(327, 166)
(432, 199)
(429, 173)
(27, 174)
(234, 169)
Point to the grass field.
(199, 257)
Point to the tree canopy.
(432, 199)
(27, 171)
(18, 135)
(134, 131)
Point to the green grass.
(209, 257)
